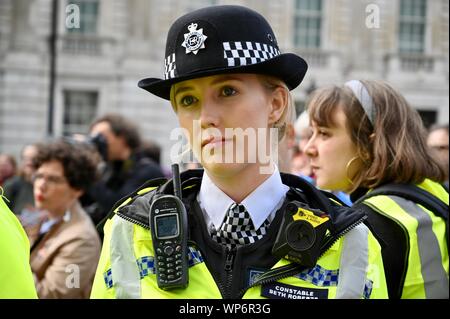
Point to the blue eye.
(188, 100)
(228, 91)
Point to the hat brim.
(288, 67)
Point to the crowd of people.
(359, 153)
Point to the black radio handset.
(169, 226)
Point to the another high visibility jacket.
(16, 280)
(426, 263)
(351, 268)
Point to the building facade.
(102, 48)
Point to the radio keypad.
(169, 264)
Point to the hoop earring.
(347, 167)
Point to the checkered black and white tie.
(237, 228)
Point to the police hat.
(223, 39)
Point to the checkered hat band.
(237, 228)
(247, 53)
(169, 67)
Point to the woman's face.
(227, 118)
(330, 149)
(52, 191)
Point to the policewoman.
(369, 142)
(224, 71)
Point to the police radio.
(169, 229)
(301, 234)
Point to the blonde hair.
(394, 148)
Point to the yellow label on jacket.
(309, 216)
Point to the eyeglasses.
(49, 179)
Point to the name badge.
(278, 290)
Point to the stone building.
(99, 61)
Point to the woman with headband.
(367, 138)
(224, 72)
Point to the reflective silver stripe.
(433, 273)
(124, 268)
(354, 264)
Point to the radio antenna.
(176, 181)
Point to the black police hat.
(223, 39)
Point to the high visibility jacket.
(16, 280)
(427, 263)
(351, 268)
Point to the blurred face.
(302, 161)
(116, 144)
(29, 152)
(211, 108)
(330, 150)
(438, 142)
(52, 191)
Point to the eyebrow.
(226, 78)
(183, 89)
(221, 79)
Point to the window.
(88, 16)
(80, 108)
(412, 26)
(307, 23)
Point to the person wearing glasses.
(66, 247)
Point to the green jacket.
(16, 280)
(352, 267)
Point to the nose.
(209, 114)
(40, 184)
(310, 148)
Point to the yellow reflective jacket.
(16, 280)
(427, 264)
(351, 268)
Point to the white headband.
(363, 97)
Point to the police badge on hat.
(194, 40)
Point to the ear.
(278, 101)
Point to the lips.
(314, 168)
(40, 197)
(213, 140)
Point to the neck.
(59, 212)
(239, 186)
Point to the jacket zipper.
(293, 269)
(133, 221)
(229, 264)
(229, 261)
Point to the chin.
(223, 169)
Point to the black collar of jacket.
(139, 207)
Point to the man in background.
(126, 169)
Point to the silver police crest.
(194, 40)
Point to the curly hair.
(78, 161)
